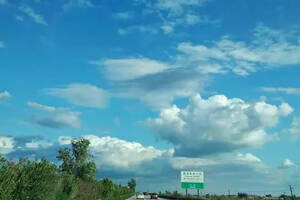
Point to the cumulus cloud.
(54, 117)
(269, 48)
(295, 91)
(117, 153)
(7, 145)
(110, 150)
(121, 160)
(82, 94)
(216, 125)
(4, 95)
(31, 13)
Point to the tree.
(132, 184)
(67, 161)
(77, 161)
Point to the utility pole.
(291, 189)
(198, 193)
(186, 192)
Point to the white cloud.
(127, 69)
(167, 28)
(179, 13)
(121, 160)
(4, 95)
(216, 125)
(295, 127)
(64, 140)
(222, 159)
(2, 2)
(248, 157)
(295, 91)
(55, 117)
(31, 13)
(186, 73)
(178, 7)
(269, 48)
(139, 28)
(82, 95)
(78, 4)
(124, 15)
(7, 144)
(154, 82)
(117, 153)
(37, 144)
(285, 109)
(1, 44)
(287, 163)
(191, 19)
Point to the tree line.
(73, 179)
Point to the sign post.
(192, 180)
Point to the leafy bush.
(72, 180)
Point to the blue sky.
(157, 86)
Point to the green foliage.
(27, 179)
(132, 184)
(77, 161)
(67, 161)
(73, 180)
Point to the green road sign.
(192, 185)
(192, 180)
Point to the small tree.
(132, 184)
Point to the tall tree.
(78, 160)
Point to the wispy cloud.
(2, 2)
(123, 15)
(31, 13)
(139, 28)
(4, 95)
(19, 18)
(269, 48)
(1, 44)
(55, 117)
(128, 69)
(78, 4)
(294, 130)
(177, 13)
(82, 95)
(294, 91)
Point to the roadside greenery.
(74, 179)
(177, 196)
